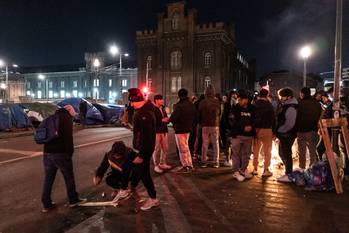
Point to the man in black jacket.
(58, 155)
(309, 113)
(144, 134)
(183, 118)
(265, 128)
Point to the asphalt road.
(208, 200)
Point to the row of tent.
(28, 115)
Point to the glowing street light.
(96, 63)
(41, 77)
(305, 53)
(114, 50)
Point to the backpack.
(47, 130)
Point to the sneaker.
(267, 173)
(184, 170)
(247, 174)
(165, 166)
(238, 176)
(255, 172)
(203, 165)
(157, 169)
(48, 209)
(191, 169)
(216, 165)
(228, 164)
(284, 179)
(122, 194)
(78, 202)
(150, 203)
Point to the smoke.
(302, 22)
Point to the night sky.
(55, 32)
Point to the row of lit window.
(176, 83)
(176, 60)
(75, 83)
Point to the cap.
(135, 95)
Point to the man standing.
(144, 142)
(209, 114)
(161, 144)
(286, 127)
(308, 115)
(265, 126)
(58, 155)
(241, 120)
(183, 117)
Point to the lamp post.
(43, 78)
(338, 56)
(305, 53)
(4, 64)
(114, 50)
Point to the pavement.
(207, 200)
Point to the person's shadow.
(321, 221)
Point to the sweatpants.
(210, 135)
(183, 148)
(263, 139)
(285, 152)
(241, 148)
(306, 140)
(161, 145)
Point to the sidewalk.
(210, 200)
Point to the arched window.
(175, 21)
(207, 59)
(207, 81)
(149, 58)
(173, 84)
(176, 60)
(179, 83)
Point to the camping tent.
(13, 116)
(111, 113)
(93, 115)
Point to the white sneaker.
(157, 169)
(238, 176)
(122, 194)
(255, 172)
(267, 173)
(150, 203)
(164, 166)
(247, 174)
(228, 164)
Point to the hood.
(262, 102)
(148, 106)
(210, 91)
(291, 101)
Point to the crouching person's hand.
(138, 160)
(97, 180)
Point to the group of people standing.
(234, 127)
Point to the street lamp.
(43, 78)
(4, 64)
(114, 50)
(305, 53)
(96, 63)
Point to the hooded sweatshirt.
(209, 109)
(264, 114)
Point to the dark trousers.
(128, 174)
(53, 162)
(142, 172)
(113, 179)
(285, 152)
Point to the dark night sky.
(54, 32)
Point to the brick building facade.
(182, 53)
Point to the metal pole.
(338, 55)
(305, 73)
(120, 63)
(7, 86)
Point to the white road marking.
(32, 154)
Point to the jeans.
(142, 172)
(264, 137)
(161, 144)
(184, 152)
(241, 148)
(210, 134)
(285, 152)
(306, 140)
(53, 162)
